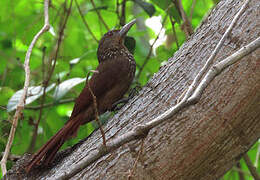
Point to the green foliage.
(233, 173)
(22, 19)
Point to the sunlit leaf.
(65, 86)
(34, 92)
(74, 61)
(51, 30)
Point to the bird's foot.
(120, 103)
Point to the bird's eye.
(110, 33)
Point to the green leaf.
(168, 6)
(6, 43)
(147, 7)
(65, 86)
(7, 93)
(34, 92)
(130, 44)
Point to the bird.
(111, 80)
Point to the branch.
(192, 9)
(186, 26)
(3, 107)
(219, 67)
(61, 33)
(240, 173)
(11, 157)
(122, 18)
(21, 103)
(257, 156)
(36, 125)
(117, 10)
(48, 78)
(214, 53)
(174, 33)
(50, 104)
(141, 131)
(239, 170)
(99, 15)
(131, 173)
(251, 167)
(85, 22)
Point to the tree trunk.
(203, 141)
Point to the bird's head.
(113, 41)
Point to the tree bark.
(203, 141)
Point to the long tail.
(48, 151)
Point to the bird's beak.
(126, 28)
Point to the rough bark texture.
(203, 141)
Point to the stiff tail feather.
(48, 151)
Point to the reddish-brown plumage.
(115, 73)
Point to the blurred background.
(63, 56)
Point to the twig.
(257, 156)
(99, 15)
(240, 173)
(85, 22)
(140, 130)
(174, 32)
(100, 8)
(192, 9)
(251, 167)
(47, 80)
(21, 103)
(219, 67)
(214, 53)
(43, 61)
(117, 10)
(150, 50)
(96, 110)
(122, 18)
(54, 59)
(186, 26)
(137, 159)
(3, 107)
(11, 157)
(50, 104)
(36, 125)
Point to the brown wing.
(100, 83)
